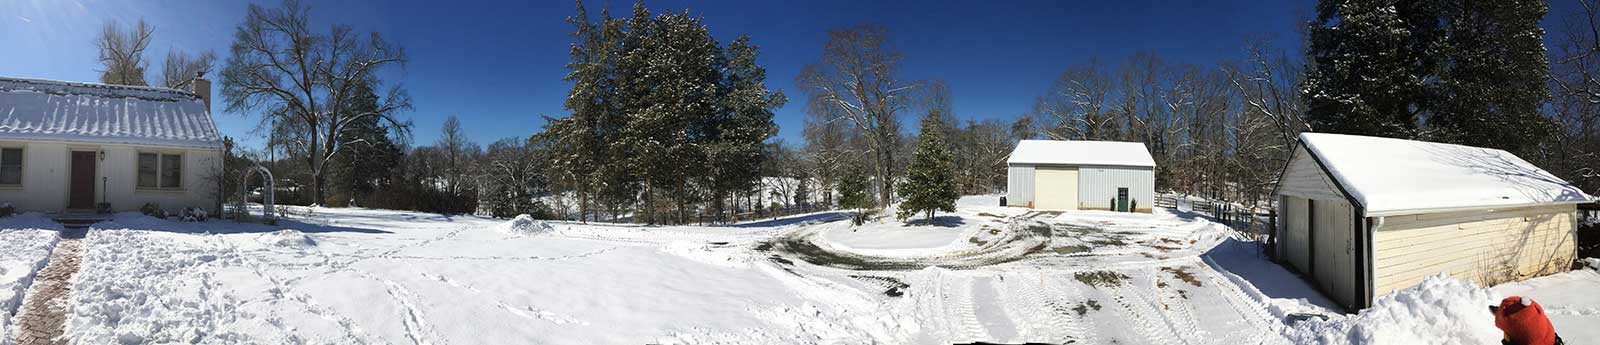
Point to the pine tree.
(1369, 61)
(1495, 75)
(369, 155)
(853, 192)
(930, 183)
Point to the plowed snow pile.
(1441, 310)
(289, 238)
(525, 225)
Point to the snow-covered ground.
(25, 243)
(984, 273)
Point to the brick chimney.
(202, 87)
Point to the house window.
(11, 166)
(160, 171)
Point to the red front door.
(81, 195)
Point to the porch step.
(79, 221)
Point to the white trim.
(1404, 212)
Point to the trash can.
(1002, 201)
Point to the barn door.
(1334, 250)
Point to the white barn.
(1361, 216)
(1081, 175)
(67, 146)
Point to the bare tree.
(277, 64)
(122, 53)
(857, 81)
(826, 150)
(1268, 86)
(1075, 107)
(1574, 152)
(453, 140)
(179, 69)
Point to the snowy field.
(984, 273)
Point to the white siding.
(1097, 187)
(1468, 245)
(45, 170)
(1303, 178)
(1019, 185)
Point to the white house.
(1363, 216)
(67, 146)
(1081, 175)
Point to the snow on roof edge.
(1081, 153)
(97, 86)
(1366, 198)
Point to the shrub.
(193, 214)
(153, 210)
(7, 210)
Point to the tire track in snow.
(1026, 305)
(1061, 294)
(1174, 309)
(1249, 310)
(972, 330)
(1137, 309)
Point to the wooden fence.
(1255, 223)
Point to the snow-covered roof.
(1074, 152)
(47, 110)
(1396, 176)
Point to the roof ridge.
(9, 84)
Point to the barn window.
(11, 166)
(160, 171)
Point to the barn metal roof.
(1077, 152)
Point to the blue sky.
(498, 65)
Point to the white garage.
(1081, 175)
(1360, 216)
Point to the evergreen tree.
(1495, 75)
(1369, 61)
(853, 192)
(930, 183)
(369, 155)
(734, 136)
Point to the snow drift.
(288, 238)
(525, 225)
(1442, 310)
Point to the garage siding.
(1097, 187)
(1473, 245)
(1019, 185)
(1304, 178)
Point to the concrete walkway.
(43, 317)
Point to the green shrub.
(153, 210)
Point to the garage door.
(1334, 248)
(1055, 188)
(1296, 236)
